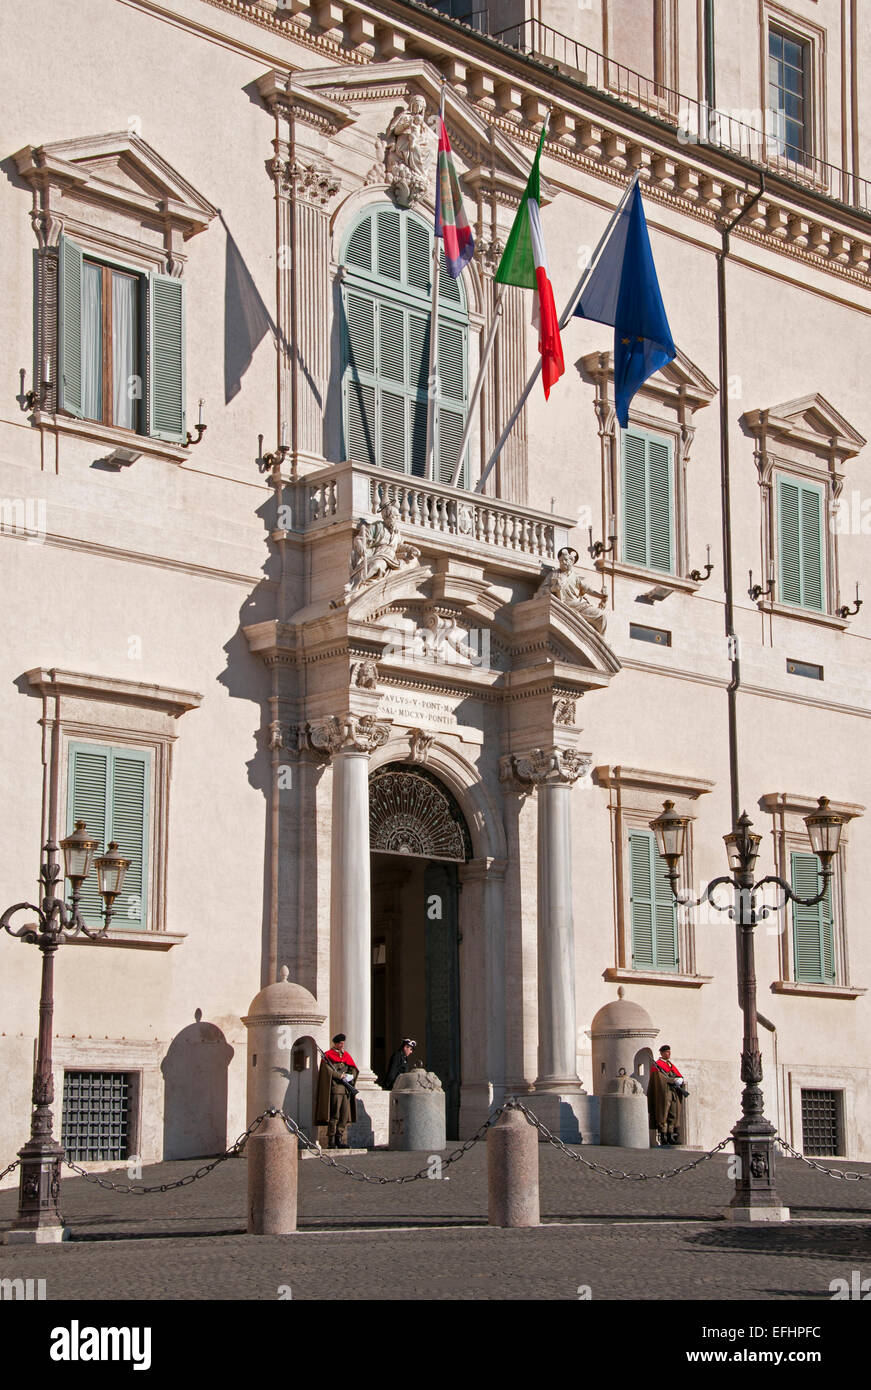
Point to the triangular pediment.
(679, 379)
(809, 421)
(119, 168)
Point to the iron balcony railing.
(755, 135)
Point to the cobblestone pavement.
(429, 1239)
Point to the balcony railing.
(756, 136)
(430, 512)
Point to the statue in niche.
(376, 549)
(409, 150)
(566, 584)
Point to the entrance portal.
(418, 837)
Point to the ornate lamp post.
(755, 1195)
(37, 1220)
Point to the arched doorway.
(418, 837)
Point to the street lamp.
(37, 1220)
(755, 1196)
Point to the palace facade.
(344, 712)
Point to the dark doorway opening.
(415, 968)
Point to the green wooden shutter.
(386, 338)
(800, 537)
(665, 915)
(811, 547)
(130, 830)
(634, 499)
(419, 255)
(166, 375)
(653, 910)
(648, 527)
(359, 252)
(88, 800)
(641, 899)
(70, 265)
(813, 927)
(659, 505)
(389, 244)
(109, 790)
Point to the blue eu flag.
(623, 290)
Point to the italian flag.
(524, 263)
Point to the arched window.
(386, 310)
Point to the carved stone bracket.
(354, 733)
(552, 765)
(565, 709)
(365, 674)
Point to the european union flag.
(623, 290)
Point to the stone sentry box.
(620, 1032)
(285, 1027)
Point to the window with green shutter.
(386, 310)
(648, 508)
(108, 788)
(812, 927)
(801, 553)
(652, 906)
(120, 345)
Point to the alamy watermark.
(24, 516)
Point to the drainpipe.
(725, 486)
(709, 73)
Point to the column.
(559, 1099)
(482, 996)
(557, 1031)
(349, 740)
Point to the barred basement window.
(97, 1109)
(821, 1124)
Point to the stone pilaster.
(482, 1000)
(307, 259)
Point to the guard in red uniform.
(336, 1103)
(665, 1096)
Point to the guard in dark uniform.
(399, 1062)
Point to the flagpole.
(433, 335)
(564, 318)
(479, 382)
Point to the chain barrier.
(612, 1172)
(831, 1172)
(179, 1182)
(380, 1180)
(375, 1178)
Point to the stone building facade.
(348, 717)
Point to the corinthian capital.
(550, 765)
(350, 733)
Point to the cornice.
(668, 782)
(594, 132)
(53, 683)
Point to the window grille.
(96, 1115)
(821, 1122)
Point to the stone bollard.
(623, 1111)
(417, 1112)
(273, 1164)
(512, 1172)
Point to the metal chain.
(832, 1172)
(612, 1172)
(179, 1182)
(10, 1169)
(375, 1178)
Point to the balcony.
(431, 514)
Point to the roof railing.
(759, 136)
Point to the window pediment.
(680, 384)
(808, 425)
(119, 172)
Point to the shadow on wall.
(195, 1091)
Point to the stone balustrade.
(429, 510)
